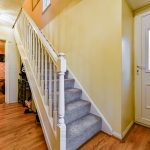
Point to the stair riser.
(67, 84)
(66, 75)
(77, 113)
(70, 96)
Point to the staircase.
(66, 119)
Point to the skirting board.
(121, 136)
(117, 135)
(142, 124)
(127, 129)
(106, 127)
(10, 102)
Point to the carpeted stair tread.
(81, 130)
(76, 110)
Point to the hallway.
(18, 131)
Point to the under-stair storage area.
(24, 92)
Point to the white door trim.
(138, 62)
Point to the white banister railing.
(48, 69)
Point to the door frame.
(138, 62)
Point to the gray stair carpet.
(81, 125)
(81, 130)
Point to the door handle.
(141, 67)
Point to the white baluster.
(37, 49)
(27, 39)
(25, 36)
(39, 61)
(42, 70)
(33, 50)
(55, 97)
(46, 89)
(36, 55)
(29, 51)
(23, 31)
(50, 87)
(31, 44)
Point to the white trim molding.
(124, 133)
(117, 135)
(127, 129)
(138, 62)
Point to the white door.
(143, 72)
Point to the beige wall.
(127, 66)
(89, 33)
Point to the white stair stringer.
(42, 109)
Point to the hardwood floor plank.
(18, 131)
(137, 139)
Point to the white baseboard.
(121, 136)
(127, 129)
(10, 102)
(117, 135)
(106, 127)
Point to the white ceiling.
(9, 10)
(135, 4)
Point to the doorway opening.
(2, 71)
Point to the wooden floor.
(137, 139)
(18, 131)
(2, 98)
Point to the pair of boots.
(27, 103)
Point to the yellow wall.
(96, 37)
(89, 33)
(127, 66)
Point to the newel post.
(61, 103)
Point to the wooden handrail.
(17, 18)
